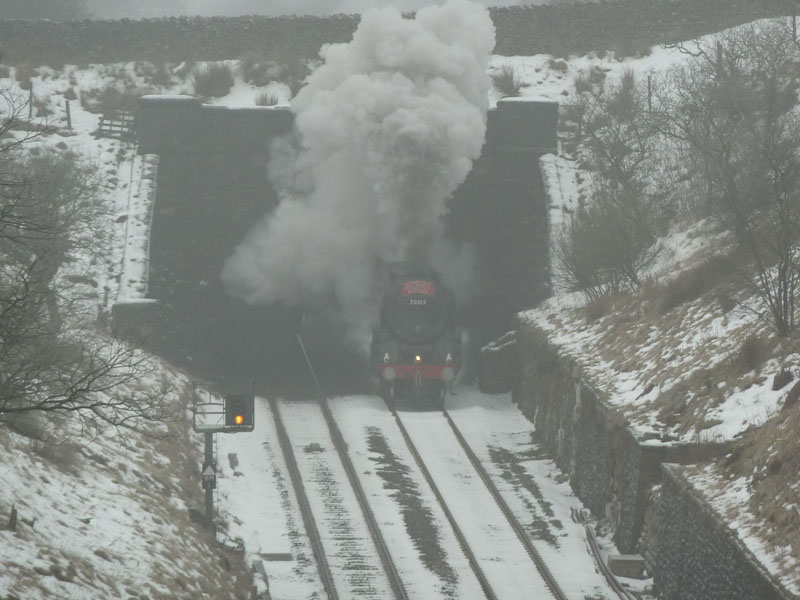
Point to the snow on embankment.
(137, 220)
(674, 372)
(102, 512)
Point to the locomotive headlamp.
(387, 358)
(417, 359)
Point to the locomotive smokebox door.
(416, 347)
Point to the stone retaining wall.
(699, 557)
(610, 469)
(625, 480)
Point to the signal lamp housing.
(239, 412)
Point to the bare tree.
(733, 109)
(611, 240)
(53, 358)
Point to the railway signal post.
(234, 414)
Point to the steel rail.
(604, 569)
(307, 514)
(462, 540)
(519, 530)
(339, 443)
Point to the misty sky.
(110, 9)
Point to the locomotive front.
(416, 348)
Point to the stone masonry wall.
(611, 471)
(699, 557)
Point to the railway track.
(496, 547)
(352, 557)
(506, 576)
(513, 522)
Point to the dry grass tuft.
(598, 307)
(689, 285)
(214, 80)
(507, 82)
(266, 99)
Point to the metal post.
(209, 460)
(69, 116)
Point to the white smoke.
(388, 128)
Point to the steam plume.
(388, 128)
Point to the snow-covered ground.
(258, 501)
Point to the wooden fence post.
(69, 115)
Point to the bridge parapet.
(184, 124)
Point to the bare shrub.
(732, 113)
(213, 80)
(606, 246)
(752, 353)
(51, 361)
(612, 238)
(507, 82)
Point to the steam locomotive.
(416, 346)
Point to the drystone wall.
(699, 557)
(171, 40)
(560, 30)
